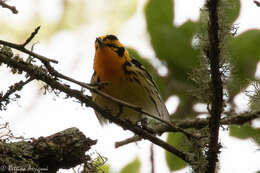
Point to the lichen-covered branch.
(199, 123)
(213, 55)
(5, 99)
(53, 72)
(40, 73)
(65, 149)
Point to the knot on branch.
(65, 149)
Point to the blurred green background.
(175, 48)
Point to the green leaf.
(178, 52)
(245, 132)
(230, 10)
(132, 167)
(159, 19)
(174, 162)
(245, 54)
(159, 12)
(171, 44)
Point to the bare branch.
(21, 47)
(152, 159)
(127, 141)
(257, 3)
(12, 8)
(6, 134)
(33, 34)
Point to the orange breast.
(108, 65)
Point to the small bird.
(126, 79)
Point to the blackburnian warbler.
(127, 80)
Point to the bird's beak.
(100, 42)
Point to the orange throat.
(108, 66)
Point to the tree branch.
(42, 74)
(213, 53)
(65, 149)
(12, 8)
(165, 125)
(52, 71)
(199, 123)
(21, 47)
(12, 89)
(33, 34)
(257, 3)
(127, 141)
(152, 158)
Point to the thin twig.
(12, 89)
(31, 36)
(257, 3)
(213, 53)
(21, 47)
(6, 134)
(16, 87)
(12, 8)
(127, 141)
(146, 135)
(152, 159)
(199, 123)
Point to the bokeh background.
(160, 34)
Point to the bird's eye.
(110, 37)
